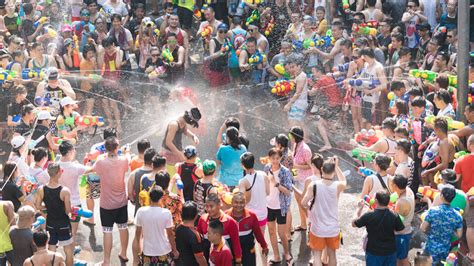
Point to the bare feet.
(325, 148)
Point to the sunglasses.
(449, 36)
(155, 55)
(222, 31)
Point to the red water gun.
(76, 211)
(366, 138)
(283, 87)
(88, 120)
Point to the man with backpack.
(188, 172)
(323, 196)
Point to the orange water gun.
(76, 61)
(206, 32)
(428, 192)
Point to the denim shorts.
(367, 111)
(372, 260)
(403, 245)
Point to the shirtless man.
(43, 256)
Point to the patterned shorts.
(92, 189)
(155, 260)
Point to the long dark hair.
(232, 135)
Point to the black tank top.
(57, 216)
(39, 131)
(136, 186)
(219, 64)
(187, 171)
(177, 141)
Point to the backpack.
(238, 39)
(144, 195)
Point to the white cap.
(17, 142)
(43, 115)
(67, 100)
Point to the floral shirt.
(173, 203)
(286, 180)
(444, 220)
(302, 156)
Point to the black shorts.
(59, 235)
(276, 215)
(115, 216)
(367, 111)
(185, 17)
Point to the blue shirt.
(231, 170)
(444, 220)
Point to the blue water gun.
(324, 42)
(364, 83)
(4, 77)
(364, 171)
(39, 221)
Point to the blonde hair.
(24, 213)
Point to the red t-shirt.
(465, 167)
(328, 86)
(221, 255)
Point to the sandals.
(122, 260)
(85, 222)
(274, 262)
(290, 260)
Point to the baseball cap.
(17, 142)
(53, 73)
(209, 167)
(66, 101)
(222, 26)
(67, 42)
(44, 115)
(423, 26)
(190, 151)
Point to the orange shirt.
(136, 163)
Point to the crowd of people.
(383, 70)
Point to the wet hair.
(162, 179)
(404, 145)
(402, 107)
(416, 2)
(397, 85)
(368, 52)
(39, 153)
(19, 89)
(442, 81)
(418, 101)
(217, 226)
(400, 181)
(383, 161)
(444, 96)
(371, 3)
(295, 58)
(444, 56)
(26, 109)
(328, 167)
(275, 151)
(389, 123)
(142, 145)
(321, 8)
(402, 131)
(88, 48)
(8, 169)
(168, 5)
(156, 194)
(237, 20)
(108, 41)
(248, 160)
(383, 197)
(232, 122)
(213, 197)
(318, 161)
(442, 124)
(109, 132)
(65, 147)
(17, 53)
(415, 91)
(252, 40)
(28, 8)
(189, 211)
(404, 51)
(399, 37)
(346, 43)
(282, 139)
(40, 238)
(148, 155)
(338, 24)
(116, 16)
(449, 176)
(158, 161)
(232, 135)
(53, 169)
(297, 133)
(448, 192)
(111, 144)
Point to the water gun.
(341, 68)
(345, 5)
(21, 15)
(88, 120)
(372, 204)
(461, 154)
(392, 98)
(324, 42)
(76, 211)
(371, 23)
(29, 186)
(51, 32)
(363, 154)
(167, 56)
(308, 43)
(197, 12)
(269, 27)
(452, 124)
(29, 73)
(442, 29)
(364, 171)
(39, 221)
(42, 101)
(257, 58)
(58, 140)
(451, 260)
(94, 77)
(366, 138)
(360, 83)
(297, 45)
(83, 181)
(453, 81)
(283, 87)
(428, 192)
(280, 69)
(206, 32)
(179, 183)
(424, 74)
(249, 2)
(41, 20)
(158, 72)
(226, 46)
(255, 16)
(431, 154)
(4, 77)
(75, 54)
(364, 30)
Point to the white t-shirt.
(40, 175)
(20, 164)
(258, 198)
(273, 199)
(72, 171)
(154, 222)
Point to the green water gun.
(363, 155)
(452, 124)
(253, 17)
